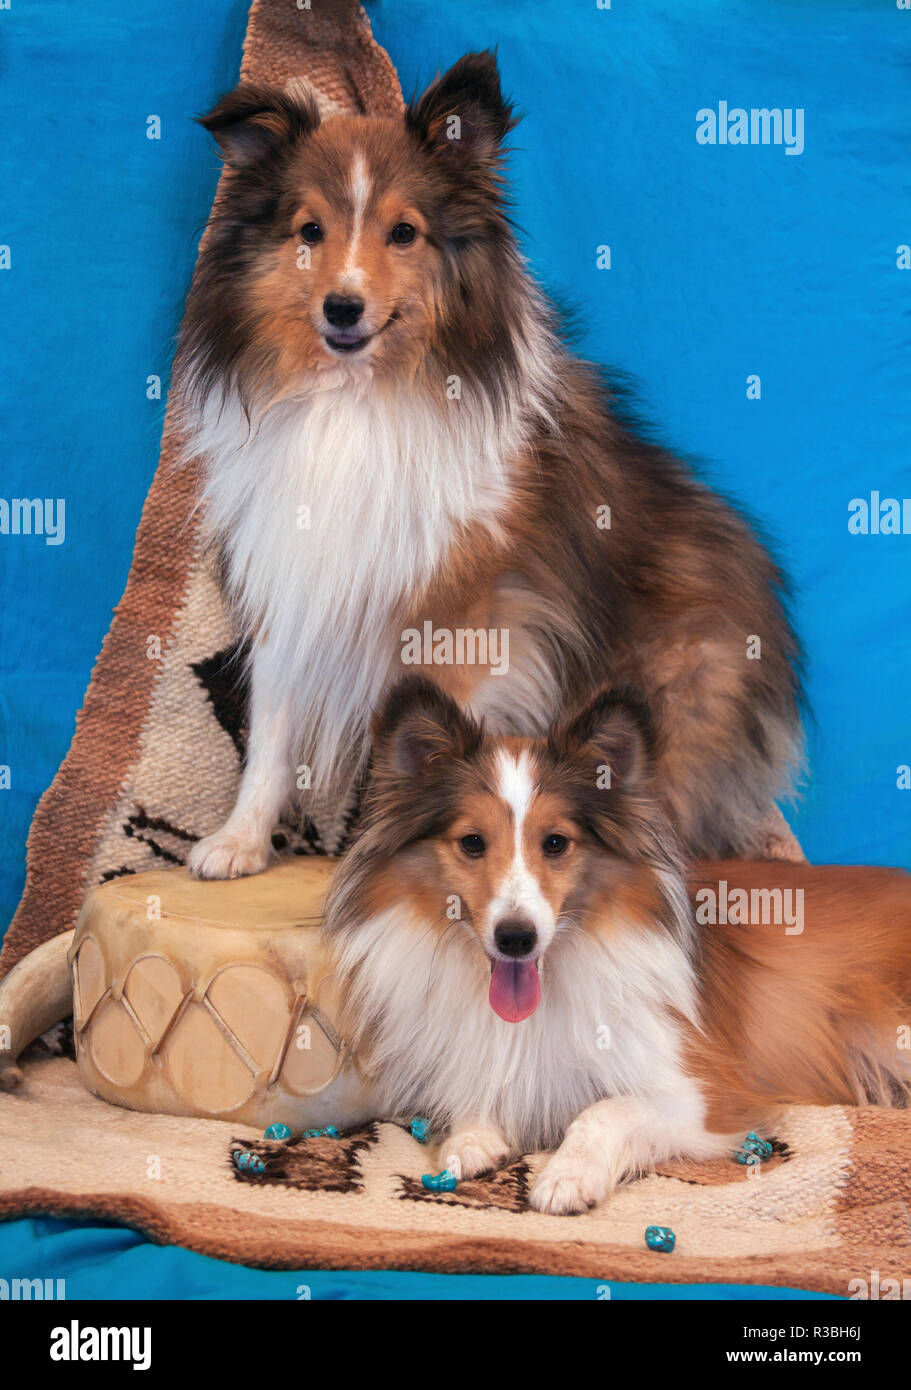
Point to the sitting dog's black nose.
(515, 938)
(342, 310)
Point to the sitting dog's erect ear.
(420, 729)
(615, 732)
(462, 116)
(256, 123)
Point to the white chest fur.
(333, 509)
(603, 1027)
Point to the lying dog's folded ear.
(463, 115)
(419, 728)
(255, 123)
(616, 734)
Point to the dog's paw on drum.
(224, 855)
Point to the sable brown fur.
(666, 599)
(822, 1017)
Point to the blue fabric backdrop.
(726, 261)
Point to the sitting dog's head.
(515, 840)
(365, 241)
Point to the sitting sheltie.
(396, 441)
(521, 961)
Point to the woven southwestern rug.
(830, 1208)
(156, 756)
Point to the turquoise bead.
(753, 1150)
(247, 1162)
(420, 1129)
(761, 1147)
(330, 1132)
(440, 1182)
(277, 1131)
(660, 1238)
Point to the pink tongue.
(515, 989)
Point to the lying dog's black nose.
(342, 310)
(515, 938)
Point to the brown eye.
(311, 233)
(554, 844)
(472, 845)
(402, 234)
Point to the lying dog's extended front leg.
(615, 1137)
(472, 1147)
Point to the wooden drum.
(213, 999)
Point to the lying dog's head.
(363, 241)
(515, 839)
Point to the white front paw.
(224, 855)
(569, 1183)
(477, 1148)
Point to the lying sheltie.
(522, 963)
(403, 461)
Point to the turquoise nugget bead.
(754, 1145)
(440, 1182)
(247, 1162)
(660, 1238)
(420, 1129)
(277, 1131)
